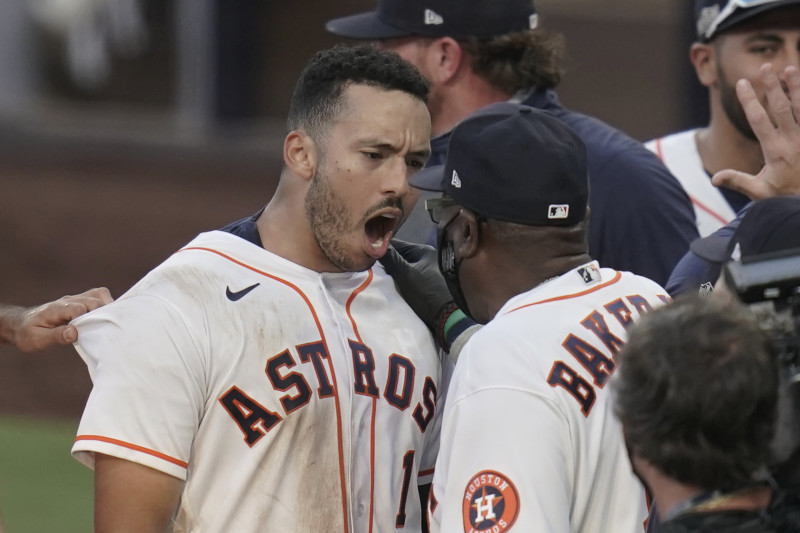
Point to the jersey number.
(408, 464)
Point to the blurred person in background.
(92, 33)
(735, 39)
(777, 134)
(478, 52)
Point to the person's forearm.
(11, 316)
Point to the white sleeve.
(147, 396)
(505, 459)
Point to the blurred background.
(129, 126)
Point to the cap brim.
(364, 26)
(428, 179)
(713, 248)
(746, 14)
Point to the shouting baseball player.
(269, 377)
(529, 439)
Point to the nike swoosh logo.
(234, 296)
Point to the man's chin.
(360, 264)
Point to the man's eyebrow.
(386, 145)
(426, 153)
(375, 142)
(765, 36)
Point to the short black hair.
(317, 97)
(696, 390)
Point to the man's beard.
(328, 217)
(733, 109)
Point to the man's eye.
(416, 164)
(372, 155)
(763, 50)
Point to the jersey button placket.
(338, 310)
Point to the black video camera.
(769, 285)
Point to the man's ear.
(704, 59)
(300, 154)
(466, 237)
(444, 59)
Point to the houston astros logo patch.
(491, 503)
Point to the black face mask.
(449, 269)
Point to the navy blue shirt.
(641, 219)
(692, 271)
(246, 229)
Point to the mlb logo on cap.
(558, 211)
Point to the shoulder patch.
(491, 503)
(589, 273)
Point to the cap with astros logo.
(514, 163)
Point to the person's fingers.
(68, 334)
(101, 295)
(48, 324)
(756, 114)
(792, 79)
(747, 184)
(392, 261)
(59, 312)
(70, 307)
(34, 339)
(780, 107)
(412, 252)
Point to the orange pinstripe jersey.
(679, 154)
(288, 400)
(529, 439)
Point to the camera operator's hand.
(777, 130)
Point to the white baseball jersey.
(529, 439)
(679, 154)
(288, 400)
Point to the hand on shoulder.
(36, 328)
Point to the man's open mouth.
(379, 230)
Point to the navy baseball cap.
(769, 225)
(715, 16)
(514, 163)
(437, 18)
